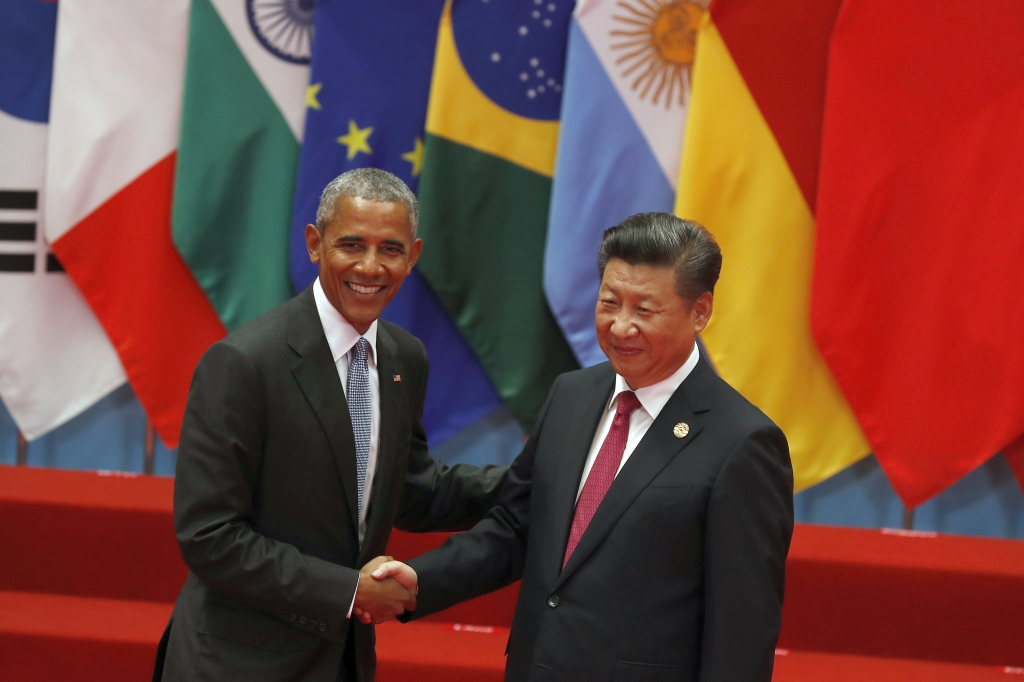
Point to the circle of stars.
(542, 85)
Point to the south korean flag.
(55, 358)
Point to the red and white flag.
(116, 102)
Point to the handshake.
(387, 589)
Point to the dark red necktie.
(602, 474)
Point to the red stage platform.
(89, 569)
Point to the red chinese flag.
(919, 264)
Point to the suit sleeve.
(218, 465)
(748, 529)
(493, 553)
(438, 497)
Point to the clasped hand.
(387, 588)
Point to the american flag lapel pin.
(398, 377)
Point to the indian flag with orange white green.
(246, 77)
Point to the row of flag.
(858, 175)
(55, 358)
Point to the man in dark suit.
(650, 513)
(301, 447)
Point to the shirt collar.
(654, 398)
(341, 335)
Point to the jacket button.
(293, 616)
(553, 601)
(302, 620)
(323, 627)
(313, 624)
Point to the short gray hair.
(662, 239)
(372, 184)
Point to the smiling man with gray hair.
(301, 448)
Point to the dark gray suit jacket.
(679, 576)
(265, 505)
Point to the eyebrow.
(357, 238)
(611, 290)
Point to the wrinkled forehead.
(370, 219)
(625, 279)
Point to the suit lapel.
(317, 376)
(658, 447)
(392, 405)
(582, 425)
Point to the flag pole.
(150, 450)
(22, 449)
(908, 518)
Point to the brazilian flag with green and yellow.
(485, 186)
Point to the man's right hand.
(381, 599)
(401, 572)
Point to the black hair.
(662, 239)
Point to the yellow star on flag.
(356, 140)
(311, 92)
(415, 157)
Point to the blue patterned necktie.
(360, 409)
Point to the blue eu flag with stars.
(366, 106)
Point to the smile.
(364, 288)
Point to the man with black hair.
(650, 513)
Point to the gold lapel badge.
(398, 377)
(681, 429)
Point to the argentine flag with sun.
(627, 90)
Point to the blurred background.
(858, 163)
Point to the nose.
(369, 264)
(623, 324)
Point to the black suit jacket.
(265, 505)
(679, 575)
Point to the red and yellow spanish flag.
(749, 173)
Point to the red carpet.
(89, 568)
(57, 637)
(807, 666)
(900, 595)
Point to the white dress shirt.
(652, 400)
(342, 338)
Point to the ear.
(313, 241)
(702, 307)
(414, 252)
